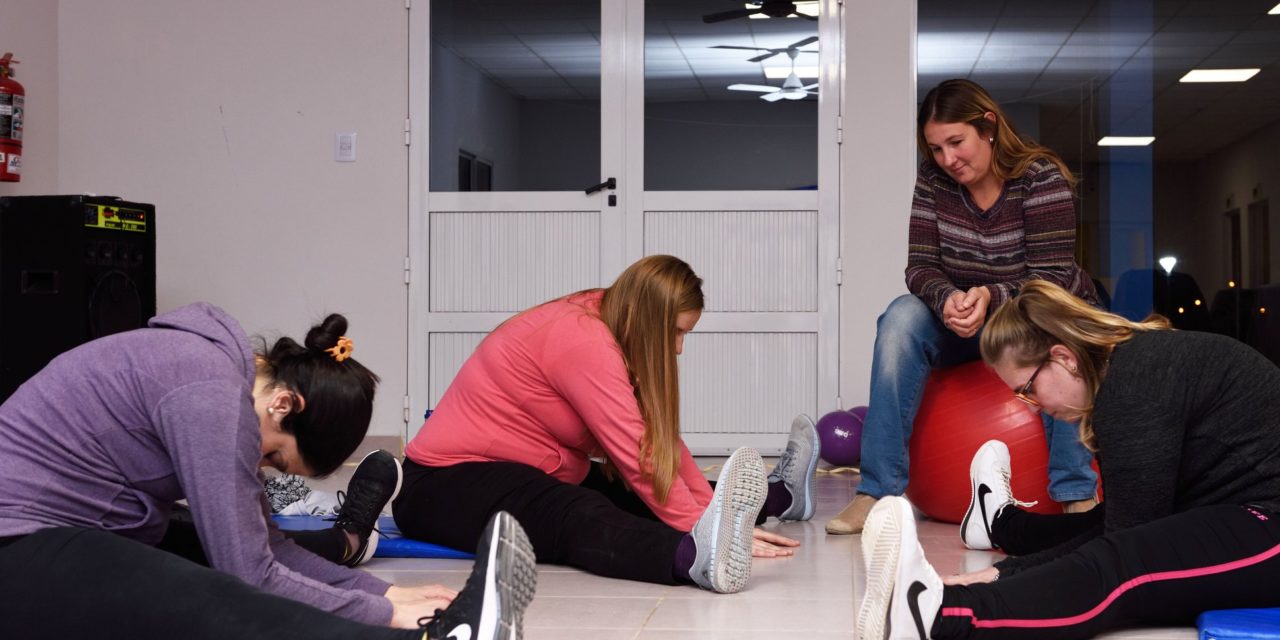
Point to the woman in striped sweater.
(992, 210)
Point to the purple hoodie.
(111, 433)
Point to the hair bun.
(325, 335)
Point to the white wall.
(223, 115)
(29, 29)
(877, 167)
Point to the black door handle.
(607, 184)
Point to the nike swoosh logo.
(463, 632)
(983, 490)
(913, 601)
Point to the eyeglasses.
(1025, 389)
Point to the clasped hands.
(965, 312)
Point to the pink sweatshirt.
(548, 389)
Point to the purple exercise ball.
(840, 433)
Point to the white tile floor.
(811, 595)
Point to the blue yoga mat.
(1233, 624)
(390, 545)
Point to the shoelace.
(1004, 473)
(344, 518)
(786, 462)
(427, 622)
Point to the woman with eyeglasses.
(991, 211)
(1186, 427)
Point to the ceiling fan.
(769, 53)
(791, 89)
(771, 8)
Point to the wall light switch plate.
(344, 149)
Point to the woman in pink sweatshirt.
(568, 417)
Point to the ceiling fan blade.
(805, 16)
(728, 15)
(764, 56)
(809, 87)
(730, 46)
(806, 41)
(773, 97)
(751, 87)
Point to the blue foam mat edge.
(390, 545)
(1239, 624)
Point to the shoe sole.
(511, 577)
(974, 540)
(882, 549)
(371, 546)
(745, 487)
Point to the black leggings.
(1165, 572)
(181, 538)
(598, 526)
(85, 583)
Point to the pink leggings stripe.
(966, 612)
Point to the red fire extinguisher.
(12, 99)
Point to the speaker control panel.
(100, 216)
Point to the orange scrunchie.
(342, 350)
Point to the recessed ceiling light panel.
(1219, 75)
(1126, 141)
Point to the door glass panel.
(515, 95)
(1178, 222)
(730, 96)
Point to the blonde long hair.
(1043, 315)
(966, 101)
(640, 309)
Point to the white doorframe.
(622, 229)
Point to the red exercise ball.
(963, 407)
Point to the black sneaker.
(375, 483)
(491, 605)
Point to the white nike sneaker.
(989, 493)
(797, 467)
(904, 593)
(491, 605)
(723, 535)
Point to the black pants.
(84, 583)
(1019, 532)
(181, 538)
(1165, 572)
(598, 526)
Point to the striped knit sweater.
(1029, 233)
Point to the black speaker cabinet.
(72, 268)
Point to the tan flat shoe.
(1079, 506)
(854, 516)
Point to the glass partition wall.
(1167, 111)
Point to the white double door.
(766, 347)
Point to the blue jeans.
(910, 342)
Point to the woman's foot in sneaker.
(904, 593)
(723, 535)
(491, 605)
(989, 492)
(375, 483)
(796, 470)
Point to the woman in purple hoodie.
(96, 448)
